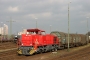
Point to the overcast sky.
(47, 13)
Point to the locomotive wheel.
(55, 49)
(41, 51)
(52, 50)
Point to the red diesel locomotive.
(36, 41)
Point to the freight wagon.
(74, 39)
(4, 38)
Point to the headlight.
(30, 44)
(22, 44)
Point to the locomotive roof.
(35, 30)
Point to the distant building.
(1, 30)
(19, 33)
(24, 31)
(4, 30)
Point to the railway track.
(12, 55)
(7, 45)
(82, 54)
(76, 53)
(8, 50)
(7, 54)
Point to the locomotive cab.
(35, 31)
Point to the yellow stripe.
(32, 51)
(19, 51)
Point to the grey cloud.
(58, 9)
